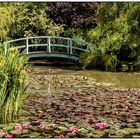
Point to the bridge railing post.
(70, 45)
(49, 45)
(27, 45)
(68, 41)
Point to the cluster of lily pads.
(41, 70)
(78, 113)
(94, 113)
(44, 129)
(51, 130)
(67, 81)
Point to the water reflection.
(120, 79)
(49, 89)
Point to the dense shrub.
(116, 37)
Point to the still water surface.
(119, 79)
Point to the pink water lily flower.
(101, 125)
(1, 130)
(73, 130)
(41, 125)
(61, 136)
(18, 127)
(25, 126)
(9, 136)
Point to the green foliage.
(12, 84)
(74, 33)
(113, 28)
(116, 36)
(32, 20)
(7, 19)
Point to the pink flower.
(1, 130)
(73, 130)
(9, 136)
(25, 126)
(18, 127)
(61, 136)
(41, 125)
(101, 125)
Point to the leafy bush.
(116, 37)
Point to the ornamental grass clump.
(13, 78)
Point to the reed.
(13, 78)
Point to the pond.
(52, 79)
(78, 104)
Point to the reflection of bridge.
(50, 47)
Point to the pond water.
(82, 99)
(120, 79)
(50, 79)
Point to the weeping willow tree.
(116, 38)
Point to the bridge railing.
(49, 44)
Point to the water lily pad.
(83, 130)
(2, 134)
(130, 130)
(62, 128)
(16, 132)
(136, 136)
(115, 136)
(71, 135)
(34, 135)
(9, 127)
(25, 131)
(25, 136)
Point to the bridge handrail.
(63, 46)
(54, 37)
(70, 46)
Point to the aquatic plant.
(13, 77)
(9, 136)
(101, 125)
(61, 136)
(18, 127)
(42, 126)
(25, 126)
(73, 130)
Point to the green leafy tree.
(116, 37)
(32, 20)
(6, 20)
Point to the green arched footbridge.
(49, 47)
